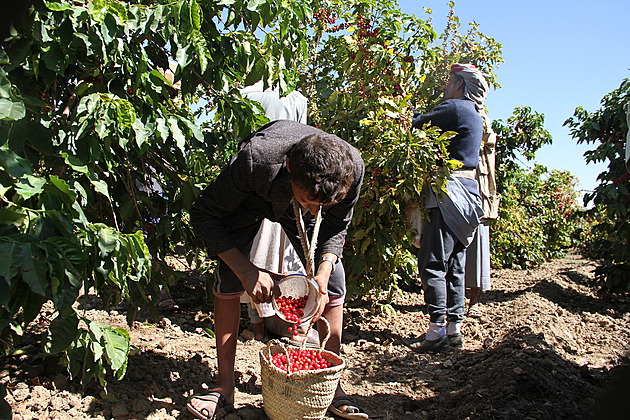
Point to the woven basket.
(304, 394)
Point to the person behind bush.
(271, 248)
(478, 269)
(282, 163)
(454, 218)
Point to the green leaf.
(116, 346)
(107, 240)
(12, 216)
(12, 163)
(97, 350)
(359, 234)
(141, 133)
(162, 129)
(96, 330)
(178, 135)
(196, 16)
(254, 4)
(29, 186)
(182, 56)
(55, 59)
(5, 85)
(101, 187)
(185, 24)
(57, 7)
(11, 110)
(67, 195)
(76, 163)
(72, 254)
(201, 50)
(9, 265)
(32, 307)
(126, 114)
(34, 277)
(194, 129)
(63, 330)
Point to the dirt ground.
(549, 346)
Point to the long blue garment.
(460, 209)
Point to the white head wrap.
(475, 86)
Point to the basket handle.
(267, 352)
(310, 327)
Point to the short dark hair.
(323, 166)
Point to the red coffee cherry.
(301, 360)
(292, 308)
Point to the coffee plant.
(609, 237)
(102, 151)
(539, 216)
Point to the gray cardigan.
(257, 185)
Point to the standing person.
(478, 277)
(165, 302)
(282, 163)
(293, 107)
(271, 248)
(455, 216)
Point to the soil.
(549, 345)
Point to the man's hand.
(323, 300)
(264, 286)
(259, 287)
(321, 278)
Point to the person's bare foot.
(206, 405)
(258, 328)
(474, 311)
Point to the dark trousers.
(442, 262)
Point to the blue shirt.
(461, 116)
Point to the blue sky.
(559, 54)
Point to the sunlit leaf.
(116, 346)
(11, 110)
(29, 186)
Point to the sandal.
(213, 397)
(344, 407)
(474, 311)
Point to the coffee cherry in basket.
(291, 308)
(300, 360)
